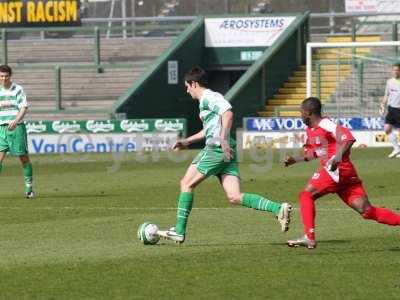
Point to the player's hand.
(179, 145)
(289, 160)
(333, 164)
(12, 125)
(226, 148)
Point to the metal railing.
(323, 24)
(393, 31)
(99, 29)
(58, 82)
(357, 76)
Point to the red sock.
(382, 215)
(307, 209)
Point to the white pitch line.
(140, 208)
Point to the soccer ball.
(147, 233)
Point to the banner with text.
(104, 135)
(26, 13)
(100, 143)
(108, 126)
(295, 139)
(244, 32)
(296, 124)
(360, 6)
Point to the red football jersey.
(322, 141)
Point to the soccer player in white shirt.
(13, 136)
(392, 101)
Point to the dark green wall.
(155, 98)
(228, 56)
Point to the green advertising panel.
(108, 126)
(26, 13)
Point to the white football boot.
(394, 153)
(30, 195)
(284, 216)
(303, 241)
(171, 234)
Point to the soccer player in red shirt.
(331, 144)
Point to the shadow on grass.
(394, 249)
(318, 242)
(70, 196)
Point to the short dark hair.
(197, 74)
(5, 69)
(396, 65)
(313, 105)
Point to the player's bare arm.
(291, 160)
(18, 118)
(183, 143)
(341, 150)
(226, 120)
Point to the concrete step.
(81, 50)
(328, 67)
(323, 78)
(289, 101)
(302, 90)
(343, 72)
(348, 38)
(358, 50)
(303, 84)
(281, 114)
(281, 102)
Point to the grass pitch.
(77, 240)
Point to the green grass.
(77, 240)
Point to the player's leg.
(19, 146)
(390, 121)
(320, 184)
(28, 175)
(307, 212)
(356, 197)
(2, 156)
(190, 180)
(231, 186)
(188, 183)
(3, 145)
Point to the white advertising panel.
(110, 142)
(361, 6)
(293, 139)
(244, 32)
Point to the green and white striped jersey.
(11, 102)
(212, 106)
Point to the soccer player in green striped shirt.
(218, 158)
(13, 137)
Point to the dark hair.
(5, 69)
(396, 65)
(197, 74)
(312, 105)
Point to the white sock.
(393, 140)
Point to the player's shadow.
(319, 242)
(241, 244)
(50, 196)
(394, 249)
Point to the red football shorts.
(348, 188)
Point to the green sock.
(185, 203)
(260, 203)
(27, 170)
